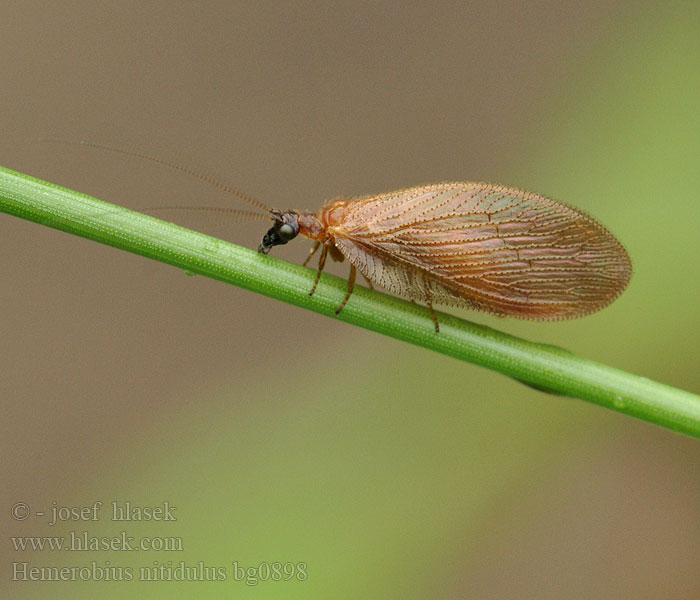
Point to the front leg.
(311, 253)
(321, 264)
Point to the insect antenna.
(233, 214)
(178, 168)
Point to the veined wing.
(495, 248)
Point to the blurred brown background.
(279, 433)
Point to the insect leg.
(429, 302)
(314, 247)
(433, 315)
(321, 264)
(351, 286)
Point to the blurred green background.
(281, 436)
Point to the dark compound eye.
(286, 228)
(287, 232)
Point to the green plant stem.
(544, 367)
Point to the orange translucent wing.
(482, 246)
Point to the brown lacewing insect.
(473, 245)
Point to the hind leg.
(429, 302)
(433, 315)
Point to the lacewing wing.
(474, 245)
(486, 247)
